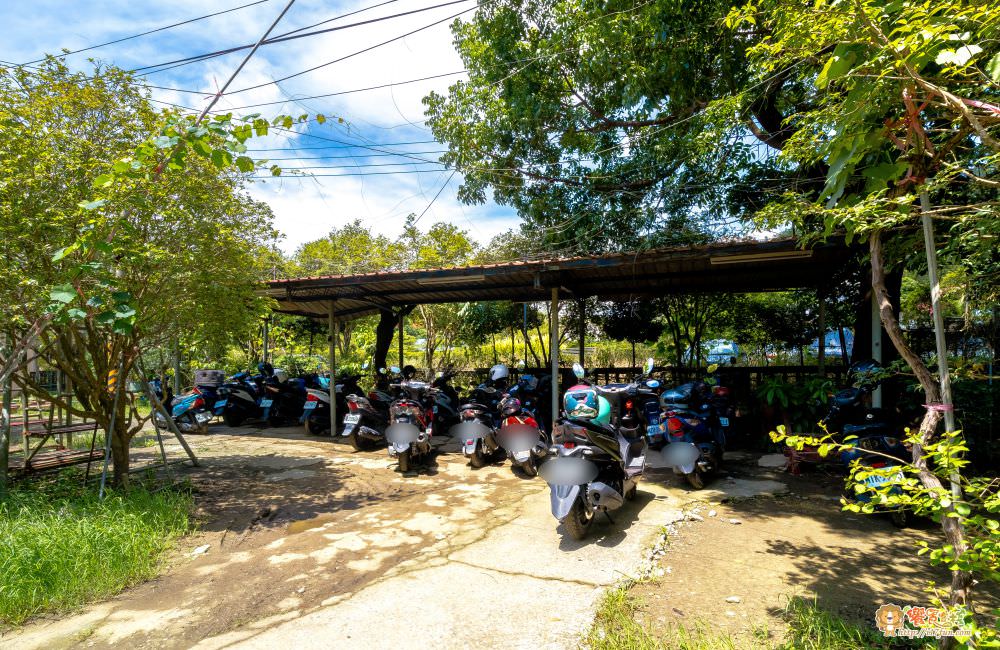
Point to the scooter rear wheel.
(232, 419)
(314, 429)
(404, 461)
(695, 479)
(577, 523)
(357, 444)
(479, 458)
(529, 469)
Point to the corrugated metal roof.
(720, 267)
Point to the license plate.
(264, 403)
(879, 480)
(352, 418)
(654, 429)
(309, 406)
(220, 403)
(470, 443)
(203, 417)
(724, 422)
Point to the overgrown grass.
(61, 547)
(809, 628)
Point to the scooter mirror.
(395, 369)
(521, 365)
(648, 368)
(578, 370)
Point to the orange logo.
(889, 619)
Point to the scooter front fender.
(562, 498)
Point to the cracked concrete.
(314, 545)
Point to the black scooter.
(593, 465)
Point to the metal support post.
(554, 352)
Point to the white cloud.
(305, 209)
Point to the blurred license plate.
(724, 422)
(654, 429)
(352, 418)
(309, 406)
(220, 403)
(878, 480)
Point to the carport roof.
(747, 266)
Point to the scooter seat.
(474, 406)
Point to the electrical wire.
(152, 31)
(289, 36)
(354, 54)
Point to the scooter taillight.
(198, 403)
(879, 464)
(675, 427)
(468, 414)
(569, 445)
(353, 406)
(628, 405)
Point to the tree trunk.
(961, 581)
(633, 354)
(843, 345)
(384, 333)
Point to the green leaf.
(836, 66)
(993, 68)
(222, 158)
(202, 148)
(76, 313)
(91, 205)
(275, 170)
(245, 164)
(164, 142)
(63, 252)
(121, 297)
(103, 180)
(64, 293)
(963, 509)
(320, 118)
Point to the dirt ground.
(796, 544)
(303, 542)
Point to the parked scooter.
(593, 467)
(480, 417)
(316, 417)
(411, 420)
(283, 400)
(872, 437)
(695, 436)
(521, 436)
(238, 398)
(367, 418)
(188, 411)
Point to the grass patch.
(61, 547)
(809, 628)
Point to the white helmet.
(281, 376)
(499, 371)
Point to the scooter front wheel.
(479, 457)
(696, 479)
(232, 419)
(315, 429)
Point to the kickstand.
(608, 515)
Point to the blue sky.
(305, 208)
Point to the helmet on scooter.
(265, 368)
(499, 371)
(584, 403)
(281, 376)
(530, 382)
(408, 371)
(510, 406)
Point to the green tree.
(108, 249)
(905, 117)
(597, 122)
(635, 322)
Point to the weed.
(61, 547)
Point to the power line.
(152, 31)
(361, 165)
(435, 198)
(289, 36)
(351, 146)
(309, 176)
(353, 54)
(352, 156)
(222, 91)
(344, 92)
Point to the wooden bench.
(56, 459)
